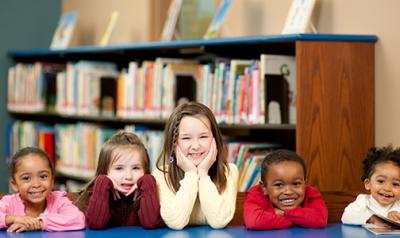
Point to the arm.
(219, 208)
(65, 216)
(177, 207)
(314, 214)
(259, 214)
(357, 213)
(5, 219)
(98, 210)
(149, 210)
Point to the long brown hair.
(121, 139)
(172, 173)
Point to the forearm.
(98, 210)
(308, 217)
(217, 208)
(149, 210)
(183, 199)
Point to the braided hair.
(166, 162)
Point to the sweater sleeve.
(149, 210)
(219, 208)
(259, 214)
(3, 211)
(357, 213)
(98, 209)
(66, 217)
(177, 207)
(313, 214)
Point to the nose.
(195, 144)
(35, 182)
(128, 174)
(288, 190)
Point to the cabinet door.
(335, 111)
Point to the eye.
(278, 185)
(381, 181)
(185, 138)
(396, 184)
(25, 178)
(137, 168)
(204, 137)
(44, 176)
(297, 184)
(118, 168)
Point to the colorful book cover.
(216, 23)
(64, 31)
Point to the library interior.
(317, 79)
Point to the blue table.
(333, 230)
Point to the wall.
(30, 26)
(252, 17)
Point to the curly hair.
(377, 156)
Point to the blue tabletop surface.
(333, 230)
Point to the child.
(282, 199)
(381, 176)
(123, 193)
(196, 184)
(34, 206)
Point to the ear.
(14, 186)
(367, 184)
(264, 189)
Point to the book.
(63, 34)
(110, 27)
(216, 23)
(299, 17)
(379, 230)
(172, 18)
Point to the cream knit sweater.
(197, 202)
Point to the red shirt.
(259, 213)
(103, 212)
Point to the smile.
(288, 201)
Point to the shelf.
(158, 123)
(243, 47)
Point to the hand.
(209, 160)
(31, 223)
(279, 212)
(115, 191)
(394, 215)
(17, 227)
(377, 221)
(183, 162)
(134, 187)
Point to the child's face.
(384, 183)
(285, 184)
(195, 138)
(33, 179)
(127, 168)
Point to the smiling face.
(33, 180)
(126, 168)
(384, 183)
(285, 184)
(195, 138)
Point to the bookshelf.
(334, 97)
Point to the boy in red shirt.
(282, 199)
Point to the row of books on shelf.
(235, 90)
(74, 148)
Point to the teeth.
(288, 201)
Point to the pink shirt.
(60, 214)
